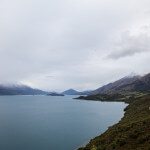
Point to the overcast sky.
(81, 44)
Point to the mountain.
(20, 90)
(116, 86)
(71, 92)
(119, 90)
(74, 92)
(142, 84)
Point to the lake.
(53, 123)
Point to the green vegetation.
(103, 97)
(132, 132)
(123, 97)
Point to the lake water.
(53, 123)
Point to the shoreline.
(84, 145)
(120, 135)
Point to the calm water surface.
(53, 123)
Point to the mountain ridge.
(111, 87)
(119, 90)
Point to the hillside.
(115, 86)
(142, 84)
(131, 133)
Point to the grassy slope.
(131, 133)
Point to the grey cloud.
(130, 45)
(49, 44)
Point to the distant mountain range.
(126, 84)
(20, 90)
(26, 90)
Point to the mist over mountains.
(20, 90)
(125, 84)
